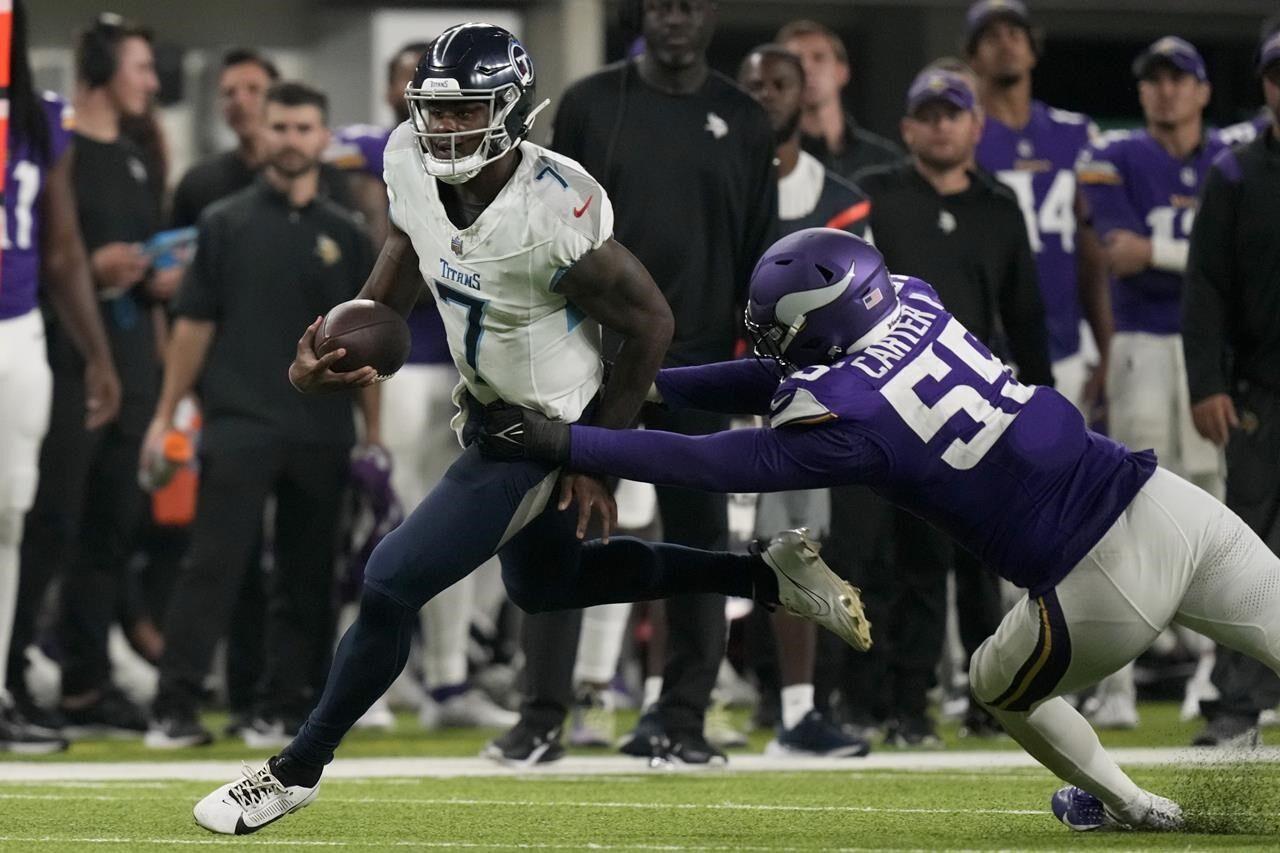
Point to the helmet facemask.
(502, 133)
(766, 340)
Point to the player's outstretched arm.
(744, 386)
(742, 460)
(614, 289)
(395, 280)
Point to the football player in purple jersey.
(1032, 148)
(1142, 187)
(42, 245)
(417, 404)
(881, 385)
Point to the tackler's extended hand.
(512, 432)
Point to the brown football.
(372, 334)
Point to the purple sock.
(448, 691)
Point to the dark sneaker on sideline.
(691, 747)
(648, 739)
(21, 738)
(816, 735)
(177, 732)
(1229, 731)
(112, 715)
(525, 745)
(913, 733)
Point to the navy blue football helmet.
(473, 62)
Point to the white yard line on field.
(571, 804)
(466, 845)
(366, 768)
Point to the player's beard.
(941, 164)
(1006, 79)
(293, 167)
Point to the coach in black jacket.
(1231, 337)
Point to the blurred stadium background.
(342, 46)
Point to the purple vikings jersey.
(359, 148)
(23, 184)
(927, 417)
(1132, 183)
(1038, 164)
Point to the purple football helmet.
(815, 294)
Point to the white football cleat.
(252, 802)
(809, 589)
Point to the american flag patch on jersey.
(456, 244)
(872, 299)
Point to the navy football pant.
(481, 507)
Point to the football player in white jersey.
(515, 243)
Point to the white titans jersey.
(513, 337)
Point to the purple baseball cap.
(1269, 53)
(985, 11)
(938, 84)
(1171, 51)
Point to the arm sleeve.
(741, 387)
(740, 460)
(1022, 311)
(1210, 273)
(200, 296)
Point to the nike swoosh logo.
(578, 211)
(820, 607)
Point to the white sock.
(446, 627)
(652, 691)
(797, 700)
(600, 642)
(1056, 735)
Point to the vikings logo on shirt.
(327, 250)
(716, 126)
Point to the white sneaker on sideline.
(595, 721)
(809, 589)
(469, 710)
(266, 734)
(1112, 712)
(1199, 688)
(379, 716)
(251, 802)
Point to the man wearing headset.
(90, 503)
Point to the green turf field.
(976, 808)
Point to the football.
(372, 334)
